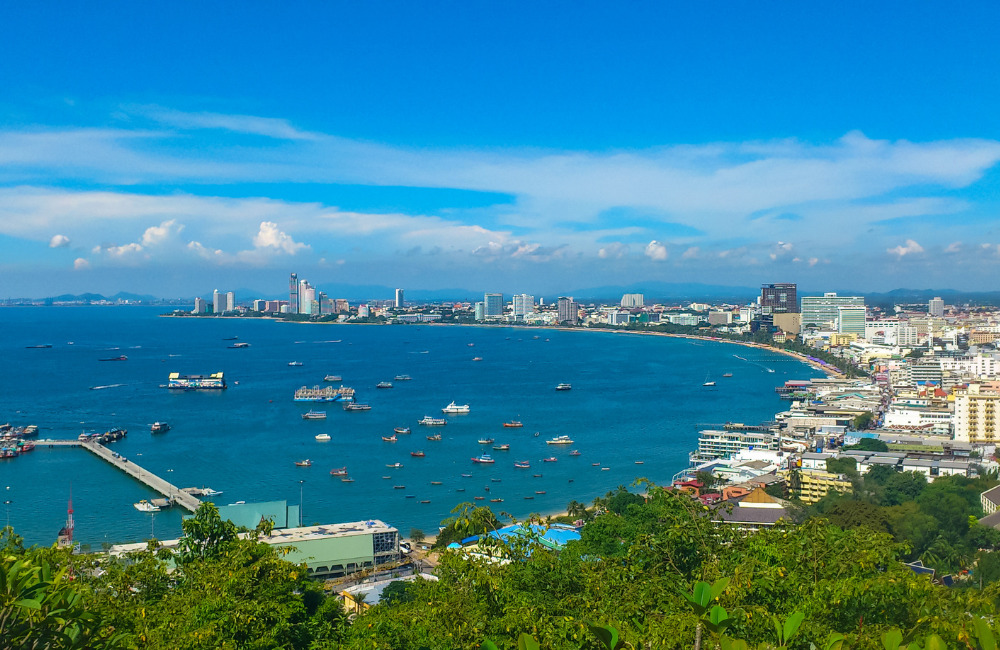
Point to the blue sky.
(173, 149)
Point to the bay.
(634, 398)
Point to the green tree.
(417, 536)
(869, 444)
(843, 465)
(863, 421)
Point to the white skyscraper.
(218, 304)
(935, 307)
(523, 304)
(399, 299)
(230, 301)
(200, 306)
(493, 304)
(630, 300)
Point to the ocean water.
(634, 398)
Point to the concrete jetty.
(172, 493)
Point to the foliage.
(417, 536)
(868, 444)
(863, 421)
(843, 465)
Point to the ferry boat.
(323, 437)
(177, 381)
(513, 424)
(395, 465)
(435, 437)
(575, 452)
(303, 463)
(550, 459)
(325, 394)
(564, 387)
(402, 430)
(559, 440)
(295, 363)
(339, 471)
(428, 421)
(402, 378)
(351, 406)
(332, 378)
(159, 427)
(484, 459)
(314, 415)
(391, 438)
(522, 464)
(503, 447)
(384, 384)
(486, 441)
(456, 408)
(145, 506)
(417, 454)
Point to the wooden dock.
(171, 492)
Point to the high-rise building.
(630, 300)
(492, 305)
(293, 294)
(307, 296)
(976, 415)
(218, 302)
(200, 306)
(851, 320)
(230, 301)
(479, 311)
(823, 311)
(779, 298)
(935, 307)
(523, 305)
(399, 299)
(568, 310)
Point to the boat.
(484, 459)
(639, 462)
(314, 415)
(460, 489)
(503, 447)
(529, 497)
(426, 501)
(522, 464)
(384, 384)
(386, 477)
(402, 430)
(435, 437)
(479, 498)
(43, 346)
(231, 338)
(398, 487)
(402, 378)
(575, 452)
(595, 464)
(214, 381)
(159, 427)
(353, 406)
(466, 475)
(559, 440)
(338, 471)
(27, 446)
(456, 408)
(537, 475)
(708, 383)
(428, 421)
(486, 441)
(539, 491)
(145, 506)
(410, 496)
(326, 394)
(496, 500)
(395, 465)
(537, 433)
(477, 358)
(496, 480)
(435, 482)
(237, 346)
(550, 459)
(323, 437)
(513, 424)
(391, 438)
(332, 378)
(118, 358)
(564, 386)
(470, 344)
(727, 374)
(417, 454)
(303, 463)
(605, 469)
(347, 479)
(295, 363)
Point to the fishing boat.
(564, 386)
(417, 454)
(384, 384)
(402, 378)
(484, 459)
(402, 430)
(559, 440)
(145, 506)
(513, 424)
(435, 437)
(425, 501)
(333, 378)
(428, 421)
(398, 487)
(353, 406)
(303, 463)
(323, 437)
(347, 479)
(496, 500)
(486, 441)
(495, 480)
(522, 464)
(314, 415)
(575, 452)
(391, 438)
(550, 459)
(295, 363)
(503, 447)
(435, 482)
(338, 471)
(479, 498)
(537, 475)
(159, 427)
(456, 408)
(395, 465)
(460, 489)
(411, 496)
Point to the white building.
(976, 416)
(935, 307)
(399, 299)
(823, 311)
(851, 320)
(523, 305)
(218, 302)
(200, 306)
(230, 301)
(492, 305)
(630, 300)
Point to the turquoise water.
(633, 398)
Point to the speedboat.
(395, 465)
(456, 408)
(402, 430)
(564, 387)
(338, 471)
(295, 363)
(484, 459)
(428, 421)
(727, 374)
(391, 438)
(145, 506)
(209, 492)
(559, 440)
(323, 437)
(303, 463)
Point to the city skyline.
(478, 147)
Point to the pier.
(172, 493)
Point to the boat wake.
(108, 386)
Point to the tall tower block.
(293, 294)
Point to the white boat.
(707, 382)
(145, 506)
(456, 408)
(295, 363)
(314, 415)
(564, 387)
(433, 422)
(560, 440)
(332, 378)
(209, 492)
(323, 437)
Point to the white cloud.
(59, 241)
(613, 251)
(250, 124)
(911, 247)
(656, 251)
(691, 253)
(81, 264)
(813, 261)
(270, 237)
(954, 247)
(158, 234)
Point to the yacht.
(384, 384)
(564, 387)
(323, 437)
(456, 408)
(145, 506)
(559, 440)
